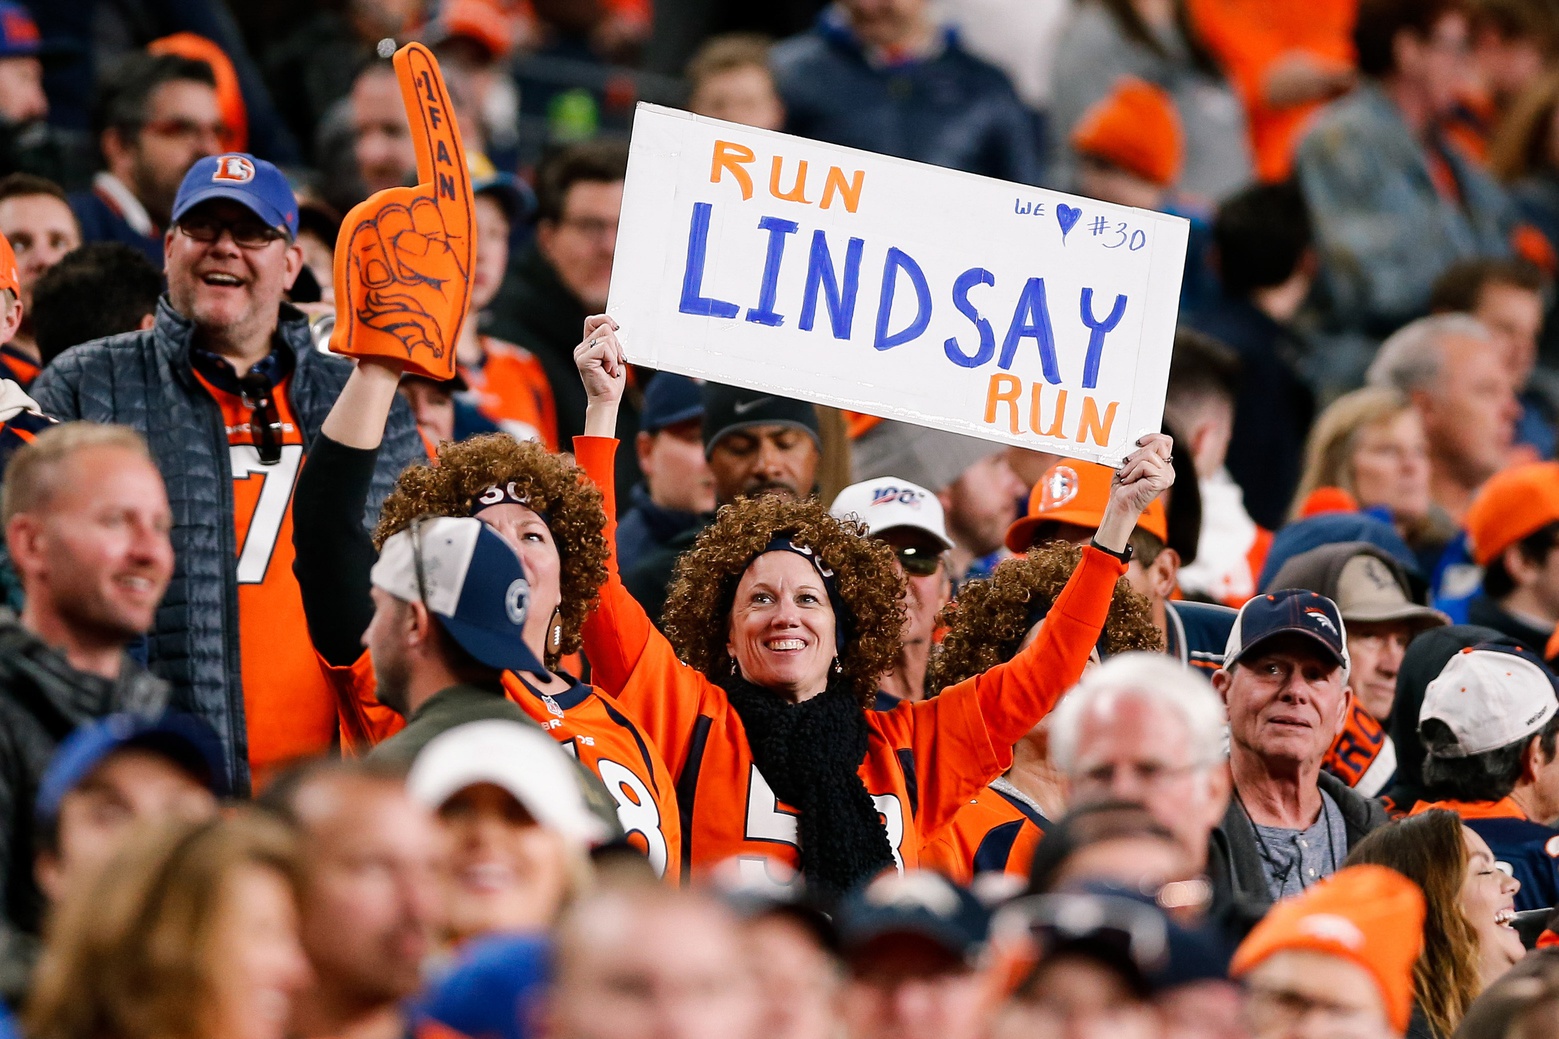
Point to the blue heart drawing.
(1067, 216)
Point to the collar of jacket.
(1235, 839)
(174, 338)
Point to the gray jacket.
(1234, 859)
(144, 380)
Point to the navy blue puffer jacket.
(144, 380)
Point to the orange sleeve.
(1244, 46)
(365, 721)
(963, 738)
(630, 659)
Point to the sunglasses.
(247, 234)
(918, 562)
(255, 391)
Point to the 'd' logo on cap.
(235, 168)
(1061, 485)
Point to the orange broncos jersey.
(600, 734)
(994, 833)
(511, 388)
(923, 762)
(289, 705)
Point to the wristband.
(1124, 557)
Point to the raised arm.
(964, 737)
(629, 658)
(334, 552)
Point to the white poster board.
(895, 288)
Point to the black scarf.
(810, 753)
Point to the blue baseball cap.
(917, 902)
(1288, 611)
(492, 990)
(251, 182)
(19, 36)
(513, 194)
(670, 398)
(185, 740)
(470, 580)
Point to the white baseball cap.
(518, 758)
(888, 503)
(1489, 697)
(470, 579)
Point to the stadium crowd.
(560, 697)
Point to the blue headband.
(505, 494)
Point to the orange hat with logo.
(1370, 915)
(10, 277)
(1136, 128)
(1076, 493)
(1514, 504)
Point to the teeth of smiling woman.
(1504, 917)
(783, 644)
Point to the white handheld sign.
(895, 288)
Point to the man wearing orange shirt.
(228, 390)
(506, 383)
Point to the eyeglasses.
(185, 129)
(917, 562)
(255, 391)
(247, 234)
(589, 227)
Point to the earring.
(838, 667)
(734, 668)
(555, 632)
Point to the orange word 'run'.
(733, 158)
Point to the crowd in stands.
(568, 698)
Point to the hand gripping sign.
(403, 257)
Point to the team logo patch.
(1552, 848)
(1332, 928)
(1061, 486)
(516, 600)
(1320, 618)
(234, 169)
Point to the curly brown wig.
(988, 620)
(698, 607)
(554, 485)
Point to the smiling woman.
(779, 627)
(1468, 939)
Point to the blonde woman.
(1370, 443)
(190, 932)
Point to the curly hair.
(697, 616)
(554, 486)
(987, 622)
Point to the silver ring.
(591, 343)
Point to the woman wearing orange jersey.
(990, 622)
(539, 503)
(782, 620)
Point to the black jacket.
(43, 698)
(1234, 863)
(144, 380)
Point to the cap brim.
(499, 650)
(939, 538)
(516, 197)
(273, 217)
(687, 414)
(1422, 615)
(1293, 629)
(1020, 536)
(944, 936)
